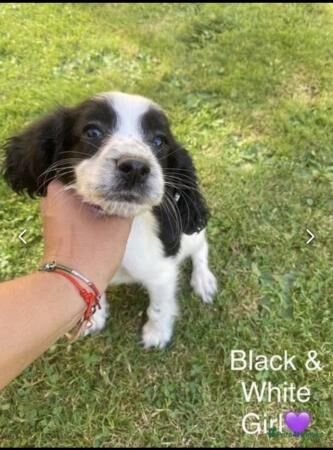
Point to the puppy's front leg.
(163, 308)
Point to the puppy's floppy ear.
(188, 198)
(30, 153)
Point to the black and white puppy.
(117, 151)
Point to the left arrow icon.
(21, 237)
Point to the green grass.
(249, 90)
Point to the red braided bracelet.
(90, 298)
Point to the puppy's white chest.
(143, 251)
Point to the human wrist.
(99, 277)
(72, 299)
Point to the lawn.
(248, 88)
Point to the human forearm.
(35, 311)
(38, 309)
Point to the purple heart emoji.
(297, 422)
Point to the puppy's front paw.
(99, 319)
(156, 335)
(204, 285)
(98, 322)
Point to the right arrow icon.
(312, 236)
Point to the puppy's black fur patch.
(54, 138)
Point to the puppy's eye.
(92, 132)
(159, 140)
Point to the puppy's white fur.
(145, 263)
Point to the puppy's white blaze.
(129, 109)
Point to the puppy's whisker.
(61, 193)
(56, 170)
(181, 186)
(57, 175)
(172, 173)
(187, 197)
(91, 143)
(176, 150)
(177, 169)
(171, 207)
(54, 167)
(181, 177)
(64, 152)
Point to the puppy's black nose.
(133, 170)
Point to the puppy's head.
(116, 150)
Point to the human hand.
(79, 237)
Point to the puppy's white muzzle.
(124, 177)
